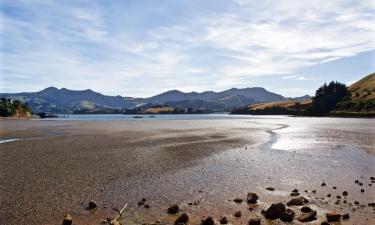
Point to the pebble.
(333, 217)
(274, 211)
(254, 221)
(270, 189)
(224, 220)
(307, 217)
(345, 193)
(287, 215)
(238, 214)
(208, 221)
(297, 201)
(173, 209)
(345, 216)
(238, 200)
(252, 198)
(92, 205)
(183, 219)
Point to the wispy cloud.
(138, 48)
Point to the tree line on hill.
(9, 107)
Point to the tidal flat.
(53, 168)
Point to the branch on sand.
(115, 221)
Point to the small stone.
(345, 216)
(306, 209)
(360, 184)
(345, 193)
(356, 181)
(334, 187)
(338, 197)
(274, 211)
(324, 184)
(146, 206)
(173, 209)
(297, 201)
(293, 194)
(224, 220)
(143, 199)
(208, 221)
(372, 178)
(183, 219)
(270, 189)
(92, 205)
(313, 191)
(371, 204)
(307, 217)
(252, 198)
(287, 215)
(333, 217)
(356, 203)
(238, 214)
(325, 223)
(254, 221)
(68, 220)
(141, 203)
(328, 195)
(238, 200)
(295, 191)
(362, 190)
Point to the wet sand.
(58, 166)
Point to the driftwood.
(115, 221)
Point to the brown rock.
(345, 216)
(270, 189)
(252, 198)
(173, 209)
(255, 221)
(146, 206)
(224, 220)
(274, 211)
(307, 217)
(324, 223)
(333, 217)
(287, 215)
(208, 221)
(183, 219)
(238, 214)
(297, 201)
(68, 220)
(238, 200)
(345, 193)
(306, 209)
(92, 205)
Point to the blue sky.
(144, 47)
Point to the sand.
(58, 166)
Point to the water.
(121, 117)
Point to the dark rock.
(146, 206)
(345, 193)
(270, 189)
(287, 215)
(295, 191)
(306, 209)
(360, 184)
(255, 221)
(307, 217)
(183, 219)
(324, 223)
(334, 187)
(208, 221)
(297, 201)
(252, 198)
(328, 195)
(362, 190)
(324, 184)
(338, 197)
(372, 204)
(372, 178)
(356, 181)
(356, 203)
(238, 214)
(274, 211)
(68, 220)
(345, 216)
(141, 203)
(224, 220)
(173, 209)
(313, 191)
(293, 194)
(263, 211)
(238, 200)
(143, 199)
(92, 205)
(333, 217)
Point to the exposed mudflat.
(55, 167)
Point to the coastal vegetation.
(332, 99)
(10, 108)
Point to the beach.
(52, 168)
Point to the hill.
(54, 100)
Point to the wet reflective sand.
(60, 165)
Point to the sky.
(144, 47)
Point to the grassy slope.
(363, 89)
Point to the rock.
(360, 184)
(372, 204)
(143, 199)
(297, 201)
(238, 200)
(372, 178)
(68, 220)
(307, 217)
(295, 191)
(313, 191)
(252, 198)
(146, 206)
(183, 219)
(224, 220)
(328, 195)
(254, 221)
(141, 203)
(306, 209)
(274, 211)
(338, 197)
(334, 187)
(208, 221)
(92, 205)
(333, 217)
(324, 184)
(345, 216)
(362, 190)
(345, 193)
(356, 203)
(356, 181)
(294, 194)
(287, 215)
(173, 209)
(270, 189)
(238, 214)
(324, 223)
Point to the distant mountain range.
(63, 100)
